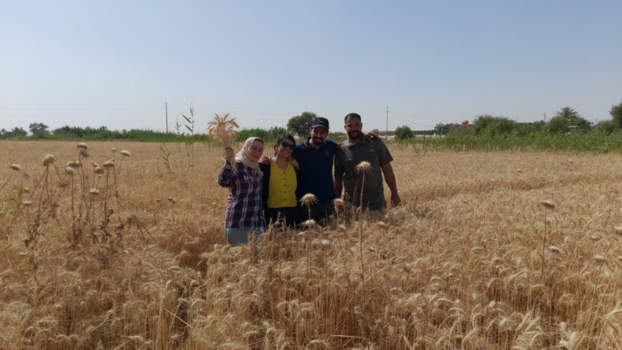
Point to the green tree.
(568, 113)
(616, 114)
(38, 129)
(441, 129)
(300, 124)
(606, 127)
(573, 118)
(403, 133)
(558, 125)
(487, 124)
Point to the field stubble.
(488, 251)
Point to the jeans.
(239, 236)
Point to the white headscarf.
(242, 155)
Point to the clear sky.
(116, 63)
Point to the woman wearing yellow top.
(279, 185)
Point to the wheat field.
(501, 250)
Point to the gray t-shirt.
(348, 157)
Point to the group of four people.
(265, 192)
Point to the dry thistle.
(84, 153)
(548, 204)
(309, 223)
(99, 170)
(82, 145)
(69, 170)
(126, 153)
(16, 167)
(618, 229)
(109, 164)
(48, 160)
(364, 167)
(113, 149)
(172, 200)
(26, 190)
(26, 203)
(338, 202)
(94, 191)
(308, 199)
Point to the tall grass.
(590, 142)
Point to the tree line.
(565, 120)
(297, 125)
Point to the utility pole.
(387, 130)
(166, 111)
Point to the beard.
(317, 141)
(354, 135)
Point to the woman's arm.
(225, 178)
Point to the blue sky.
(115, 63)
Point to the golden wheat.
(458, 265)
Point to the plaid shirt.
(245, 185)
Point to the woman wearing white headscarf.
(244, 217)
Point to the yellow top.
(282, 188)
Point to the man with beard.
(356, 149)
(315, 159)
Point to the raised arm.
(225, 178)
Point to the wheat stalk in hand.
(223, 129)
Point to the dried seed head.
(99, 170)
(309, 223)
(548, 204)
(172, 200)
(48, 160)
(84, 153)
(26, 203)
(363, 166)
(338, 202)
(63, 183)
(82, 145)
(599, 258)
(326, 243)
(109, 163)
(125, 153)
(308, 199)
(26, 190)
(94, 191)
(554, 249)
(382, 224)
(69, 170)
(113, 149)
(618, 229)
(95, 165)
(16, 167)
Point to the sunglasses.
(287, 145)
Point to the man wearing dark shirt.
(315, 159)
(356, 149)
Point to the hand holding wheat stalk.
(223, 129)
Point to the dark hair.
(283, 137)
(351, 115)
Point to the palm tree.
(568, 113)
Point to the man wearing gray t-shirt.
(356, 149)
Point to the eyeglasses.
(288, 145)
